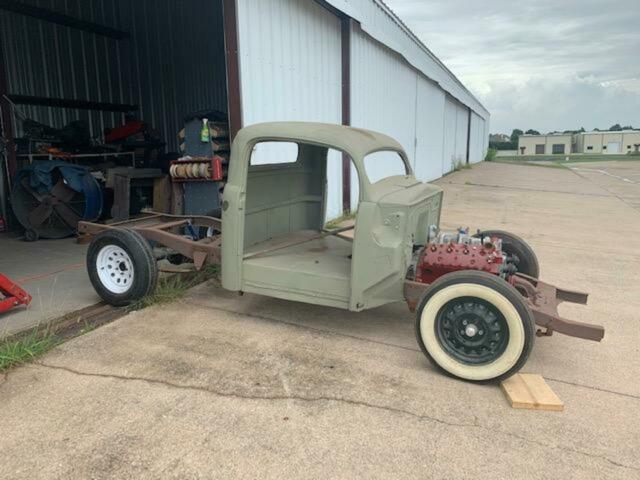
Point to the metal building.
(352, 62)
(596, 142)
(611, 142)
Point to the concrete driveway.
(221, 386)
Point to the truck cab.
(273, 215)
(477, 297)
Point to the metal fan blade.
(39, 215)
(62, 192)
(67, 214)
(32, 192)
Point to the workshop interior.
(107, 112)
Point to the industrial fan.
(50, 198)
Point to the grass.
(173, 287)
(18, 350)
(336, 222)
(22, 348)
(491, 155)
(461, 166)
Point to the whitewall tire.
(475, 326)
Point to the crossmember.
(165, 229)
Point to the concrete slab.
(54, 274)
(219, 385)
(621, 179)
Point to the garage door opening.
(119, 90)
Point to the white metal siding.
(383, 95)
(476, 143)
(379, 22)
(448, 157)
(290, 69)
(429, 130)
(462, 125)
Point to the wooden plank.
(162, 195)
(529, 390)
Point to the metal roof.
(547, 135)
(357, 142)
(602, 132)
(381, 23)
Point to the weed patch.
(336, 222)
(18, 350)
(172, 288)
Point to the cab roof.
(357, 142)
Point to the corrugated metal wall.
(379, 22)
(383, 97)
(476, 141)
(290, 69)
(429, 130)
(390, 96)
(462, 130)
(173, 63)
(450, 124)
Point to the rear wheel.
(121, 266)
(514, 245)
(475, 326)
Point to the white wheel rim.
(472, 372)
(115, 269)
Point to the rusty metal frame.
(543, 300)
(161, 228)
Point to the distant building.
(551, 144)
(609, 142)
(622, 142)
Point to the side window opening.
(384, 164)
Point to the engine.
(451, 251)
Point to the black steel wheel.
(472, 330)
(475, 326)
(514, 245)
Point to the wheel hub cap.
(115, 269)
(471, 330)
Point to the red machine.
(11, 295)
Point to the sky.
(543, 64)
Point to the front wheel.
(121, 266)
(514, 245)
(475, 326)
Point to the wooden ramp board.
(529, 390)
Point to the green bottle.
(204, 133)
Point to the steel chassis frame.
(543, 299)
(161, 228)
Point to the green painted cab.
(274, 204)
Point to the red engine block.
(437, 259)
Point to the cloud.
(546, 64)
